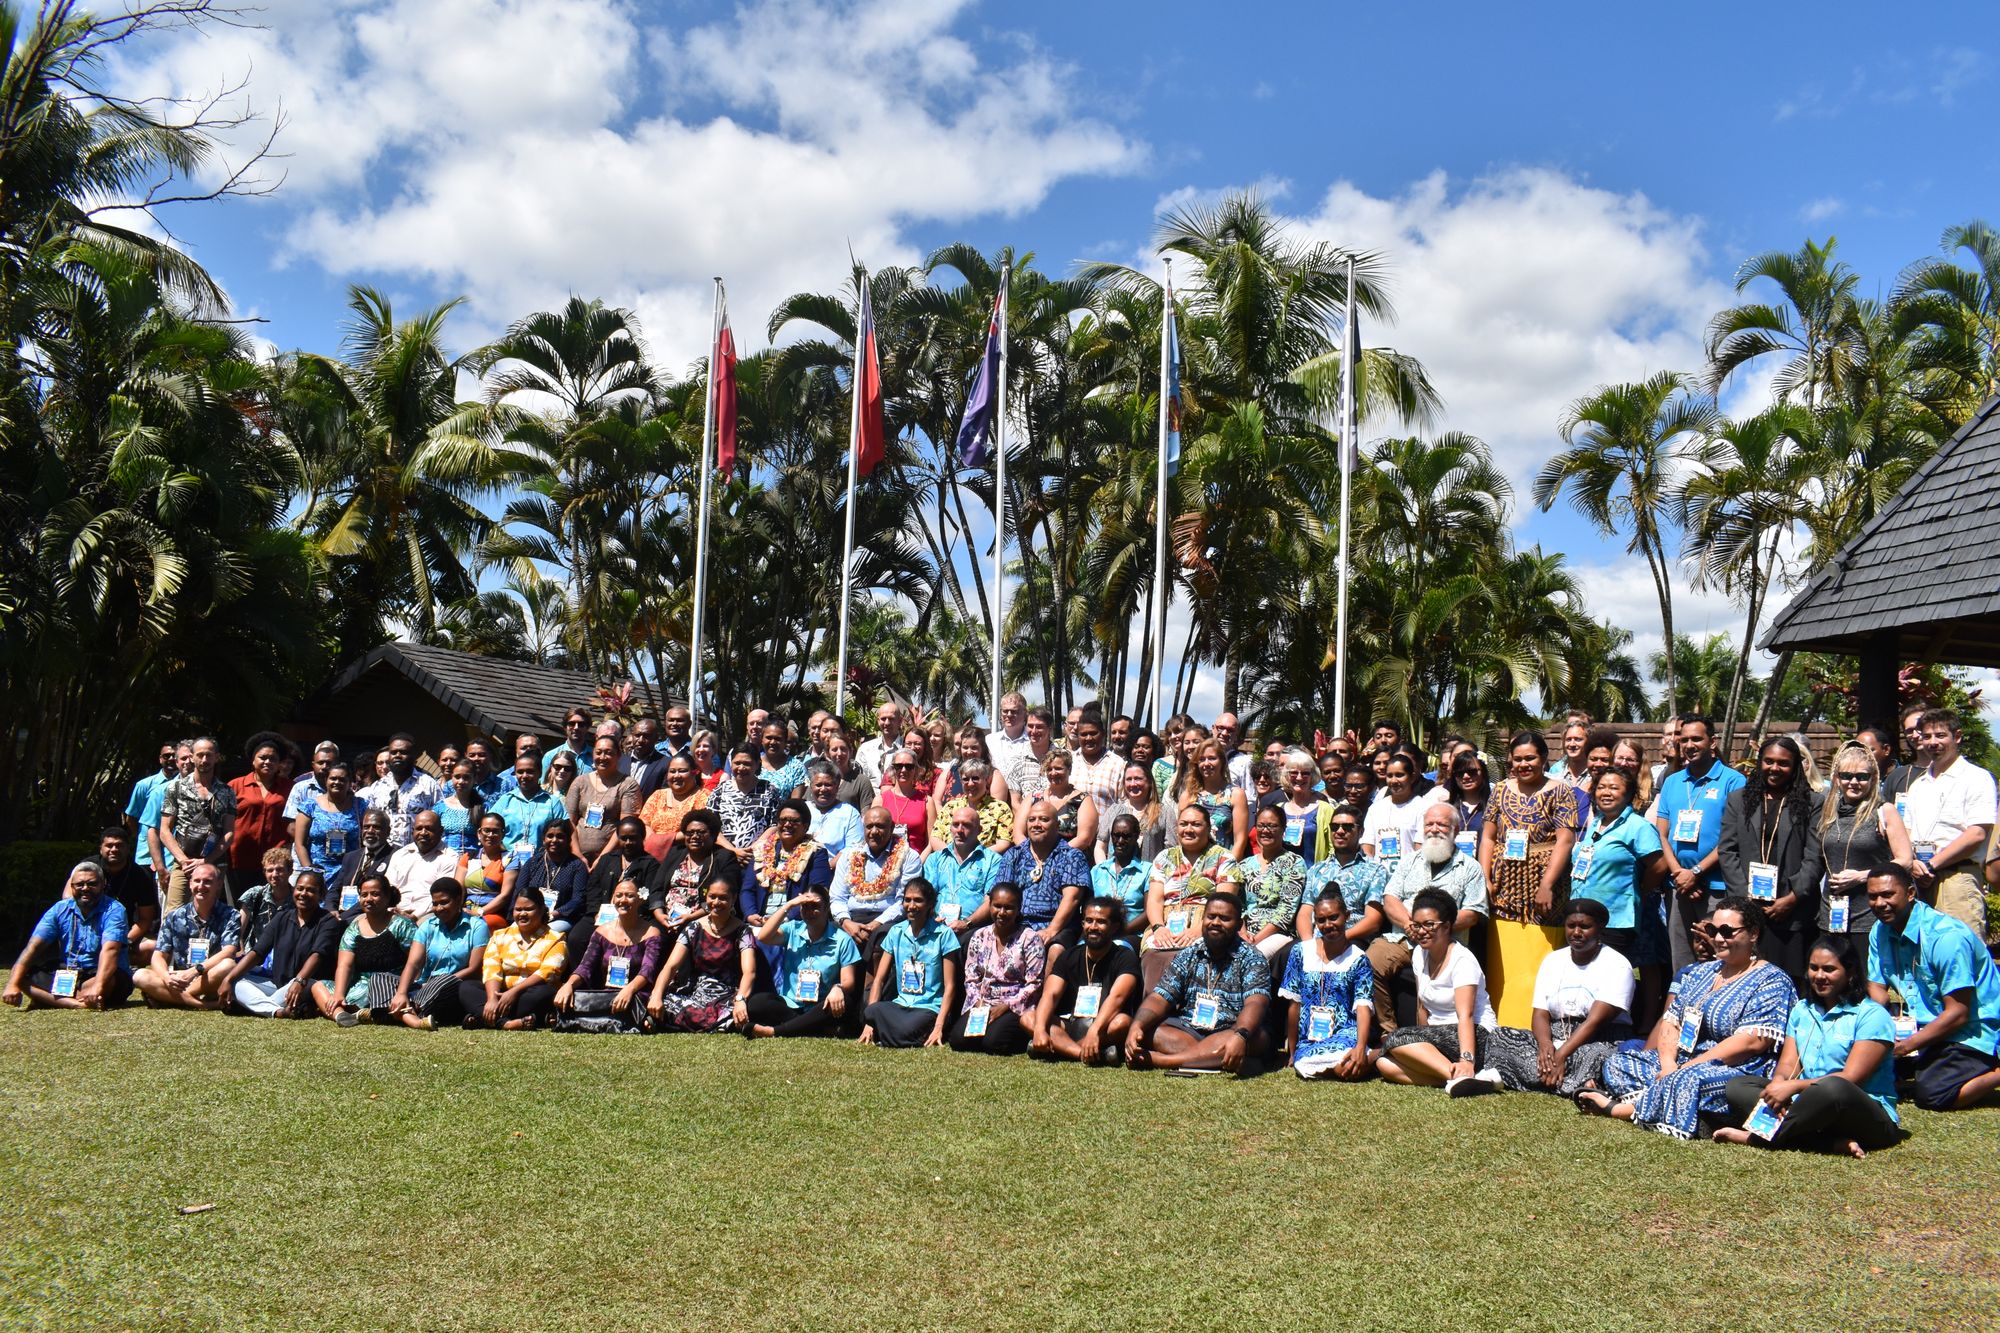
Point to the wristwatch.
(1242, 1032)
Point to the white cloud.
(1819, 210)
(502, 147)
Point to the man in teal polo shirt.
(963, 872)
(1689, 822)
(1937, 980)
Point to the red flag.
(867, 393)
(723, 366)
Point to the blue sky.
(1562, 193)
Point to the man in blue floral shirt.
(1208, 1011)
(197, 941)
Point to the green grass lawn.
(529, 1182)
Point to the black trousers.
(896, 1025)
(1005, 1035)
(1823, 1118)
(534, 1002)
(771, 1010)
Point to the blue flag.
(976, 431)
(1172, 388)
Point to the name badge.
(1763, 881)
(1687, 825)
(1295, 830)
(1763, 1122)
(64, 987)
(1906, 1026)
(1319, 1023)
(1903, 806)
(1924, 850)
(1207, 1010)
(911, 977)
(1516, 848)
(1177, 921)
(1580, 863)
(549, 900)
(902, 830)
(336, 842)
(594, 817)
(1466, 841)
(1690, 1030)
(606, 914)
(1088, 998)
(975, 1022)
(350, 898)
(1391, 847)
(1836, 913)
(808, 985)
(618, 971)
(197, 952)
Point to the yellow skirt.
(1514, 954)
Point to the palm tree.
(1952, 312)
(1814, 324)
(1704, 670)
(1626, 443)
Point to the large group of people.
(1685, 945)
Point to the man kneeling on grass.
(74, 958)
(1207, 1012)
(196, 950)
(1089, 994)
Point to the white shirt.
(1004, 749)
(1025, 777)
(411, 874)
(1437, 996)
(1942, 807)
(1240, 765)
(871, 757)
(403, 801)
(1405, 821)
(1565, 990)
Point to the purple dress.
(703, 998)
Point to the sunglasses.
(1726, 932)
(1851, 777)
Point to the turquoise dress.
(333, 835)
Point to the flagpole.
(853, 464)
(1000, 498)
(701, 520)
(1159, 626)
(1349, 355)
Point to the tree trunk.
(1742, 657)
(1771, 689)
(1656, 560)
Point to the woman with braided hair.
(1770, 853)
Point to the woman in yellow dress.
(1524, 847)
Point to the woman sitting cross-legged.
(518, 974)
(1724, 1018)
(708, 976)
(1331, 990)
(1582, 1010)
(448, 952)
(368, 970)
(1452, 1044)
(607, 991)
(818, 972)
(295, 950)
(1835, 1084)
(917, 959)
(1003, 980)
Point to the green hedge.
(31, 877)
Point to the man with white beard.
(1439, 865)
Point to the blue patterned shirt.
(1243, 974)
(80, 937)
(182, 925)
(1042, 883)
(1361, 881)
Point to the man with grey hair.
(1439, 864)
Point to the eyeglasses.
(1726, 932)
(1425, 927)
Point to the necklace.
(770, 873)
(874, 887)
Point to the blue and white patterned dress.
(1338, 985)
(1758, 1000)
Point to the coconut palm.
(1813, 325)
(1952, 311)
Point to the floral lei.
(770, 873)
(875, 886)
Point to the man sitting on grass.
(1089, 993)
(196, 949)
(1207, 1013)
(74, 958)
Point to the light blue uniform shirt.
(146, 797)
(445, 951)
(1127, 885)
(1933, 956)
(799, 951)
(1361, 882)
(1616, 854)
(836, 829)
(526, 819)
(1824, 1037)
(79, 937)
(1704, 796)
(928, 952)
(962, 887)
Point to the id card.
(1763, 881)
(808, 988)
(549, 899)
(1836, 914)
(594, 817)
(1924, 850)
(64, 985)
(1207, 1010)
(1177, 921)
(617, 972)
(911, 978)
(1319, 1023)
(774, 902)
(1763, 1122)
(1906, 1026)
(350, 898)
(336, 842)
(1687, 825)
(1088, 998)
(1579, 865)
(1517, 845)
(606, 914)
(197, 951)
(1391, 846)
(1690, 1030)
(975, 1022)
(1466, 842)
(1903, 806)
(1295, 830)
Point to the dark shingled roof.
(1927, 568)
(499, 697)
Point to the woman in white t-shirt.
(1394, 825)
(1582, 1010)
(1451, 1045)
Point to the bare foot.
(1592, 1102)
(1732, 1134)
(1856, 1150)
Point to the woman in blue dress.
(1331, 990)
(329, 826)
(1724, 1019)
